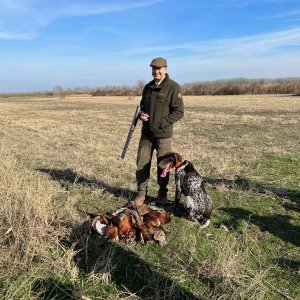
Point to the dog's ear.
(178, 158)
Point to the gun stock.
(131, 130)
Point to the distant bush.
(48, 94)
(117, 91)
(242, 86)
(239, 86)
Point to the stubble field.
(60, 157)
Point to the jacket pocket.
(160, 97)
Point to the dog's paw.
(205, 223)
(192, 219)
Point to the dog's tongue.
(164, 172)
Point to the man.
(162, 106)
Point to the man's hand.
(144, 117)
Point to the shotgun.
(131, 129)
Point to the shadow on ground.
(288, 264)
(68, 177)
(127, 270)
(277, 224)
(106, 259)
(49, 289)
(290, 198)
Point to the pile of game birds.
(142, 223)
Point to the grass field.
(61, 156)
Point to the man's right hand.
(144, 117)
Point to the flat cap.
(159, 62)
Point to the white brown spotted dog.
(191, 184)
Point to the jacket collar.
(152, 83)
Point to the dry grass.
(58, 155)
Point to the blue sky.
(90, 43)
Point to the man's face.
(159, 73)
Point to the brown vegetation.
(59, 157)
(242, 87)
(239, 86)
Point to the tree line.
(237, 86)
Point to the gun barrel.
(131, 129)
(125, 148)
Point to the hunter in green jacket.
(162, 106)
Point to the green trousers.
(145, 152)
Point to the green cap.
(159, 62)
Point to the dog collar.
(181, 165)
(178, 164)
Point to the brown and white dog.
(191, 184)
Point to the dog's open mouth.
(166, 170)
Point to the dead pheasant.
(99, 223)
(163, 216)
(124, 226)
(159, 235)
(151, 220)
(111, 232)
(130, 222)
